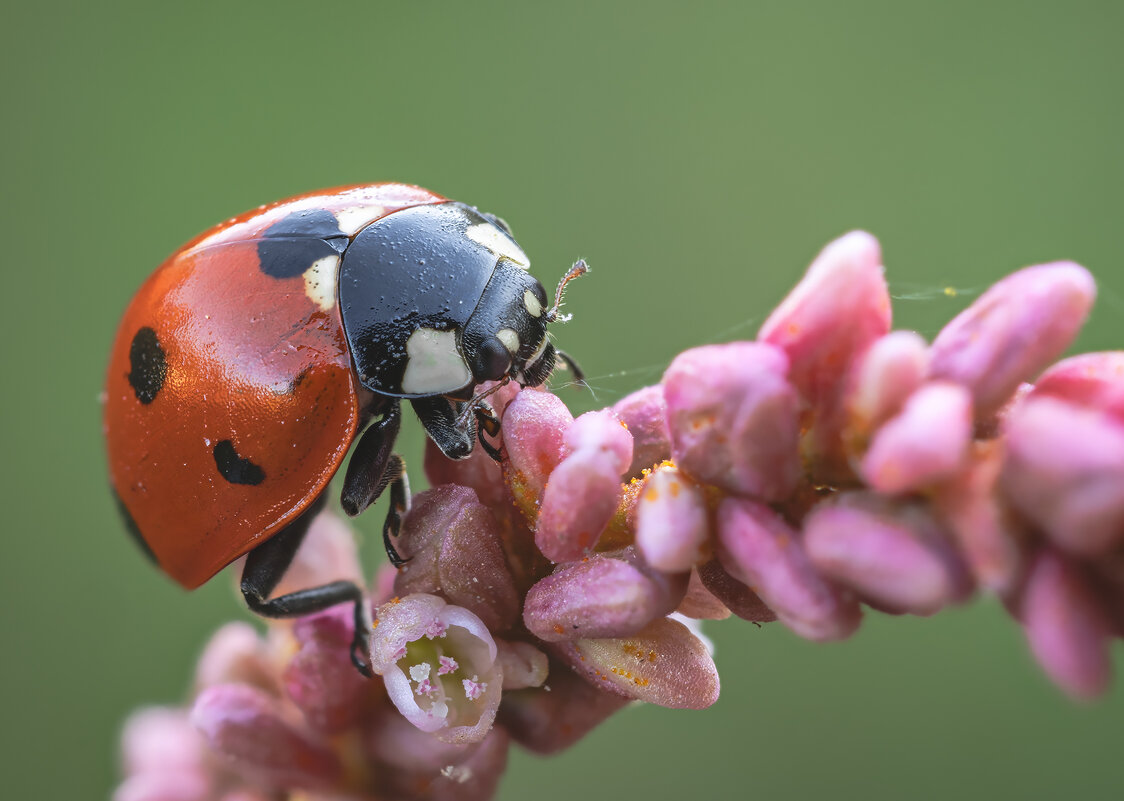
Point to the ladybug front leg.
(454, 435)
(266, 564)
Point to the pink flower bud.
(927, 442)
(1092, 380)
(733, 418)
(597, 597)
(522, 664)
(601, 432)
(645, 414)
(410, 638)
(1066, 626)
(663, 664)
(580, 499)
(162, 740)
(236, 654)
(759, 549)
(320, 678)
(454, 548)
(1065, 472)
(165, 786)
(672, 529)
(1013, 331)
(702, 604)
(551, 719)
(478, 470)
(892, 554)
(985, 533)
(835, 312)
(533, 427)
(247, 728)
(888, 373)
(736, 596)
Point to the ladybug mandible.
(249, 362)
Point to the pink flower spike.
(672, 527)
(733, 418)
(445, 711)
(927, 442)
(838, 309)
(644, 412)
(1065, 472)
(893, 555)
(598, 597)
(663, 664)
(580, 499)
(247, 728)
(1013, 331)
(1066, 626)
(759, 549)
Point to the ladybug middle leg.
(266, 564)
(372, 468)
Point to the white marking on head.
(509, 338)
(435, 364)
(531, 302)
(354, 218)
(320, 281)
(498, 242)
(534, 357)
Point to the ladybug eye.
(491, 360)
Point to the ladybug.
(248, 364)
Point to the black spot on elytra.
(292, 245)
(148, 367)
(234, 468)
(132, 527)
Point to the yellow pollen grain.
(674, 488)
(793, 329)
(651, 494)
(950, 291)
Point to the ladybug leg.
(488, 423)
(440, 419)
(266, 564)
(572, 366)
(399, 504)
(367, 472)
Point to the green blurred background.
(698, 156)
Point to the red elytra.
(238, 362)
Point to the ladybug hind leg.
(266, 564)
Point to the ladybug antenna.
(579, 268)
